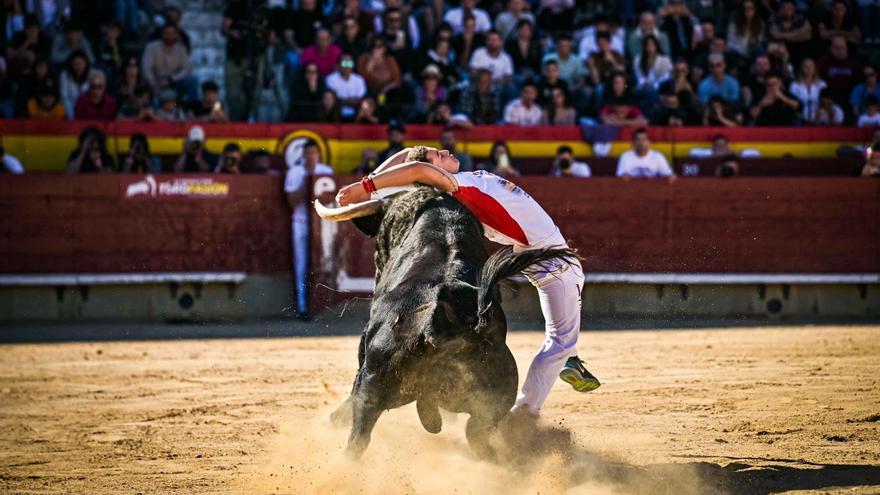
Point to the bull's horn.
(343, 213)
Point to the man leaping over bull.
(509, 217)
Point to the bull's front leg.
(342, 416)
(366, 409)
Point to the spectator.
(230, 160)
(441, 57)
(91, 155)
(606, 60)
(828, 112)
(96, 103)
(269, 87)
(682, 85)
(11, 164)
(566, 166)
(870, 117)
(571, 69)
(400, 41)
(307, 95)
(168, 110)
(647, 27)
(872, 161)
(499, 161)
(589, 37)
(466, 43)
(790, 27)
(27, 46)
(549, 82)
(670, 111)
(110, 50)
(719, 114)
(139, 160)
(806, 89)
(524, 50)
(839, 22)
(323, 53)
(306, 22)
(729, 166)
(352, 40)
(745, 33)
(448, 142)
(778, 107)
(296, 186)
(260, 163)
(506, 21)
(621, 112)
(869, 18)
(867, 88)
(379, 69)
(718, 82)
(556, 15)
(172, 15)
(839, 70)
(208, 108)
(137, 106)
(369, 162)
(442, 115)
(74, 81)
(642, 161)
(524, 110)
(329, 110)
(45, 104)
(429, 93)
(455, 17)
(166, 63)
(366, 113)
(559, 111)
(195, 158)
(236, 24)
(124, 87)
(71, 41)
(780, 59)
(396, 137)
(679, 25)
(351, 9)
(348, 87)
(480, 101)
(651, 66)
(753, 88)
(29, 83)
(493, 58)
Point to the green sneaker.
(575, 374)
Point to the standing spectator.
(396, 137)
(166, 63)
(234, 29)
(605, 61)
(230, 160)
(790, 27)
(96, 103)
(379, 69)
(44, 105)
(839, 70)
(647, 27)
(745, 33)
(507, 21)
(499, 161)
(524, 50)
(558, 111)
(872, 162)
(448, 142)
(455, 17)
(565, 164)
(323, 53)
(679, 25)
(571, 69)
(840, 22)
(74, 81)
(828, 113)
(208, 108)
(348, 87)
(806, 89)
(70, 41)
(307, 94)
(11, 164)
(296, 186)
(168, 110)
(867, 88)
(641, 161)
(718, 82)
(718, 113)
(778, 107)
(480, 101)
(139, 160)
(651, 66)
(870, 117)
(493, 58)
(91, 155)
(524, 110)
(195, 158)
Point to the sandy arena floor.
(754, 410)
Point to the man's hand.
(352, 193)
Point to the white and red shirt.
(508, 214)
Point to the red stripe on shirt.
(490, 212)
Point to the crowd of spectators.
(518, 62)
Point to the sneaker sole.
(579, 384)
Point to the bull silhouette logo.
(147, 186)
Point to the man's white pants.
(300, 234)
(559, 290)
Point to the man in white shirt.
(296, 185)
(588, 44)
(348, 86)
(524, 110)
(455, 17)
(566, 166)
(492, 58)
(642, 161)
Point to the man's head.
(311, 153)
(564, 159)
(231, 155)
(97, 85)
(870, 73)
(641, 142)
(396, 134)
(440, 158)
(717, 66)
(647, 23)
(761, 66)
(172, 15)
(668, 96)
(839, 50)
(786, 10)
(528, 93)
(603, 40)
(261, 160)
(72, 33)
(484, 81)
(195, 138)
(322, 39)
(563, 45)
(826, 99)
(393, 21)
(774, 82)
(447, 140)
(551, 71)
(871, 104)
(493, 42)
(346, 65)
(210, 94)
(170, 34)
(720, 145)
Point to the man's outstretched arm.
(399, 175)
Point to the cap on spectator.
(431, 71)
(195, 133)
(168, 94)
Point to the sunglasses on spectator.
(347, 64)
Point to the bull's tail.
(506, 263)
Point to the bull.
(436, 332)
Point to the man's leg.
(301, 265)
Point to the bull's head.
(366, 216)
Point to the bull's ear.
(456, 305)
(370, 224)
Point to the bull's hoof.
(429, 415)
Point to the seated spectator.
(74, 81)
(564, 165)
(719, 114)
(27, 46)
(351, 9)
(369, 162)
(780, 59)
(322, 53)
(110, 50)
(90, 156)
(139, 160)
(524, 50)
(400, 41)
(137, 106)
(788, 26)
(870, 117)
(125, 86)
(96, 103)
(651, 66)
(208, 108)
(679, 25)
(308, 91)
(480, 101)
(828, 112)
(455, 17)
(606, 60)
(745, 33)
(839, 70)
(448, 142)
(549, 82)
(348, 86)
(396, 137)
(716, 45)
(524, 110)
(571, 69)
(718, 82)
(499, 161)
(466, 43)
(195, 158)
(493, 58)
(379, 69)
(168, 110)
(872, 162)
(366, 113)
(670, 112)
(69, 42)
(752, 89)
(642, 161)
(729, 166)
(165, 63)
(230, 160)
(839, 22)
(806, 89)
(352, 40)
(682, 84)
(589, 37)
(507, 21)
(329, 110)
(647, 27)
(867, 88)
(622, 112)
(429, 93)
(172, 15)
(444, 59)
(11, 164)
(559, 111)
(29, 83)
(260, 163)
(778, 107)
(45, 105)
(442, 115)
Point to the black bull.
(436, 333)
